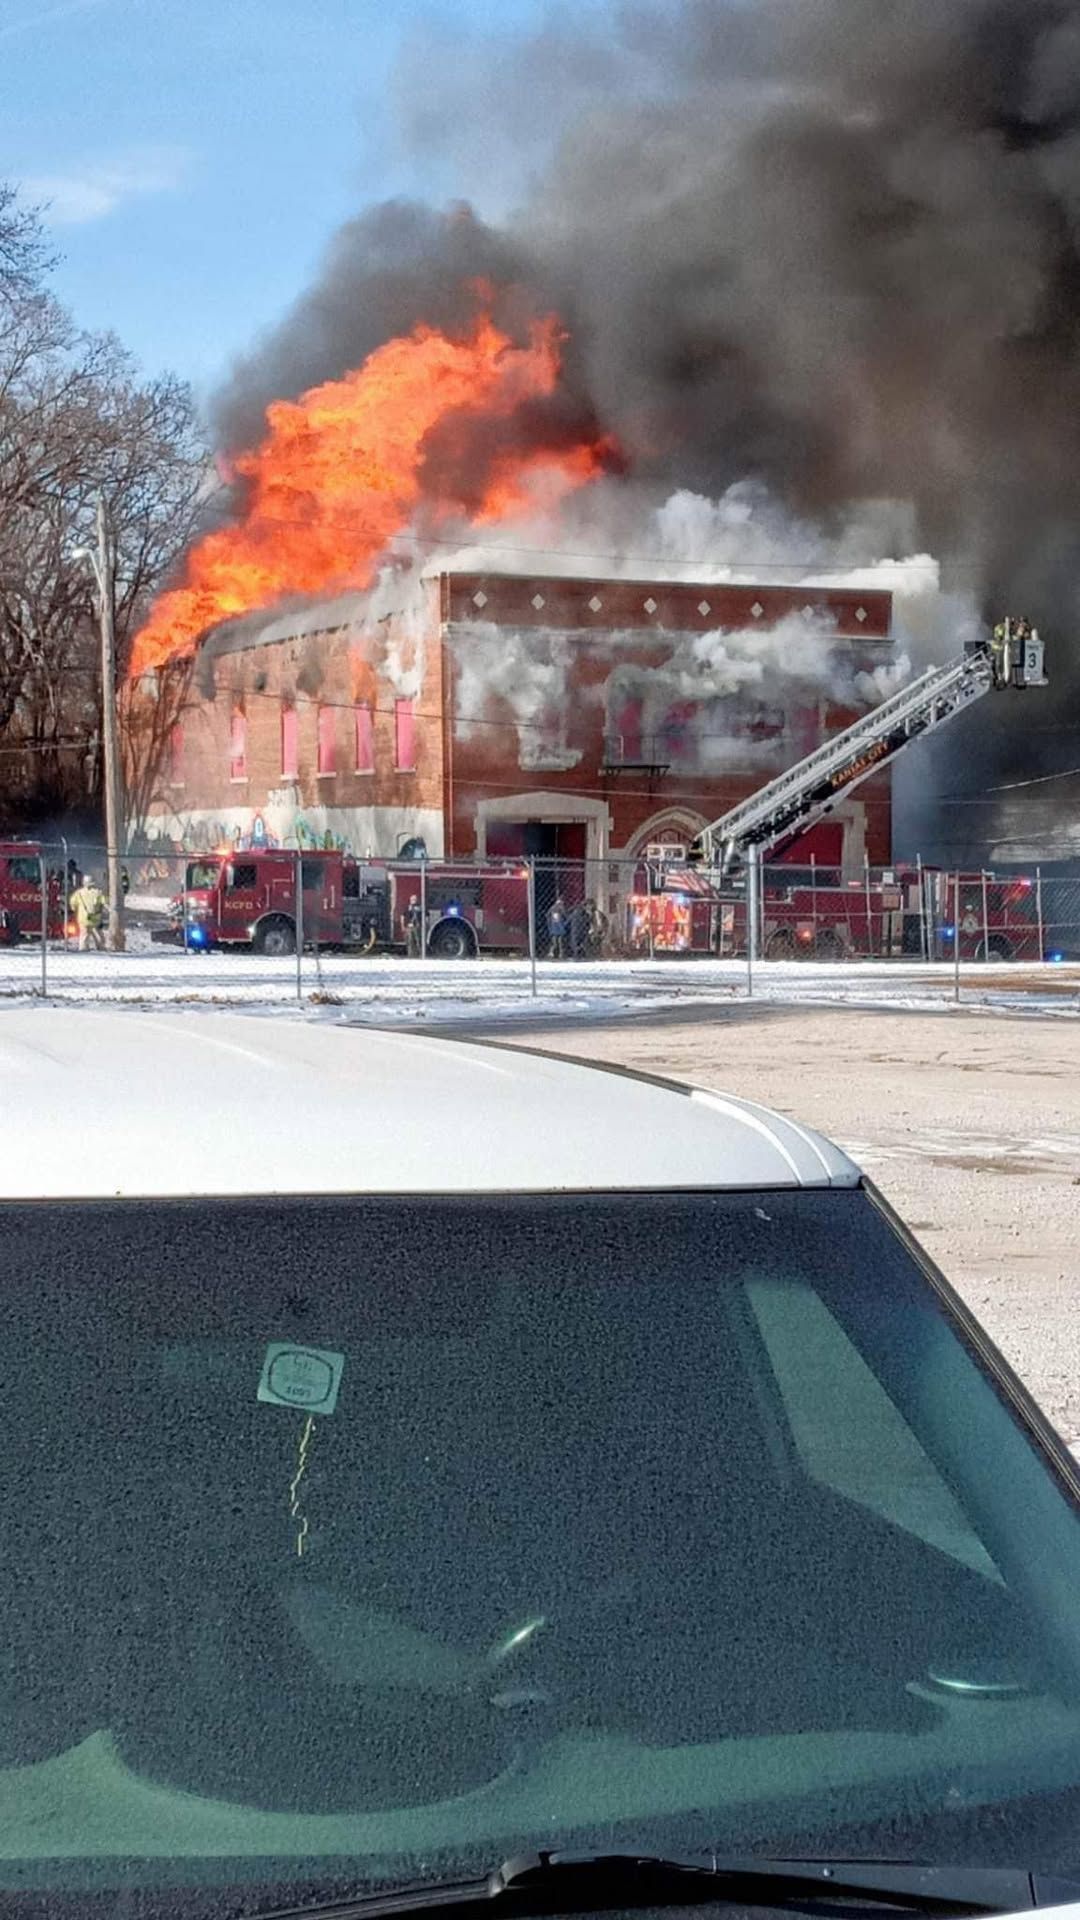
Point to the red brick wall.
(332, 672)
(460, 767)
(656, 617)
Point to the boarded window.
(176, 755)
(365, 739)
(326, 739)
(404, 736)
(238, 746)
(290, 743)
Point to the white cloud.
(94, 191)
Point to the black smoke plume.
(828, 245)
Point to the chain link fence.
(268, 923)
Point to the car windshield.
(202, 874)
(417, 1530)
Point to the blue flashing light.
(948, 933)
(196, 936)
(1055, 958)
(454, 910)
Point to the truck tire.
(275, 936)
(452, 940)
(780, 945)
(828, 945)
(999, 948)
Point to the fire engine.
(708, 902)
(20, 893)
(811, 913)
(249, 899)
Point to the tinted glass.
(347, 1539)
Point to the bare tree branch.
(77, 420)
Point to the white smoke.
(615, 530)
(611, 530)
(528, 669)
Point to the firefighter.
(88, 906)
(597, 929)
(1000, 648)
(557, 928)
(413, 929)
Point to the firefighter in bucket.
(1007, 644)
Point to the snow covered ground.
(392, 989)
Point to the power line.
(436, 717)
(464, 543)
(988, 798)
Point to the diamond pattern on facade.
(537, 601)
(703, 608)
(479, 598)
(595, 603)
(757, 610)
(650, 605)
(860, 614)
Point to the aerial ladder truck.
(721, 866)
(792, 803)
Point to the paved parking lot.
(969, 1123)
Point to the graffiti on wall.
(253, 835)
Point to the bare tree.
(76, 421)
(24, 257)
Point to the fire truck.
(717, 900)
(812, 913)
(20, 893)
(248, 899)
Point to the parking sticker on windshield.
(304, 1377)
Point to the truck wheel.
(274, 937)
(780, 945)
(999, 948)
(828, 946)
(452, 940)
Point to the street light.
(102, 566)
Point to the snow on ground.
(389, 989)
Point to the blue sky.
(199, 153)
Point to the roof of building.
(102, 1103)
(666, 602)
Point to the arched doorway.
(673, 827)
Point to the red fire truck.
(811, 913)
(20, 894)
(248, 899)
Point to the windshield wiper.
(549, 1883)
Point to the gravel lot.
(969, 1123)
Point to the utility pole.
(114, 804)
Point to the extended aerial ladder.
(795, 800)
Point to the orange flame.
(340, 472)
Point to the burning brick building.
(504, 714)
